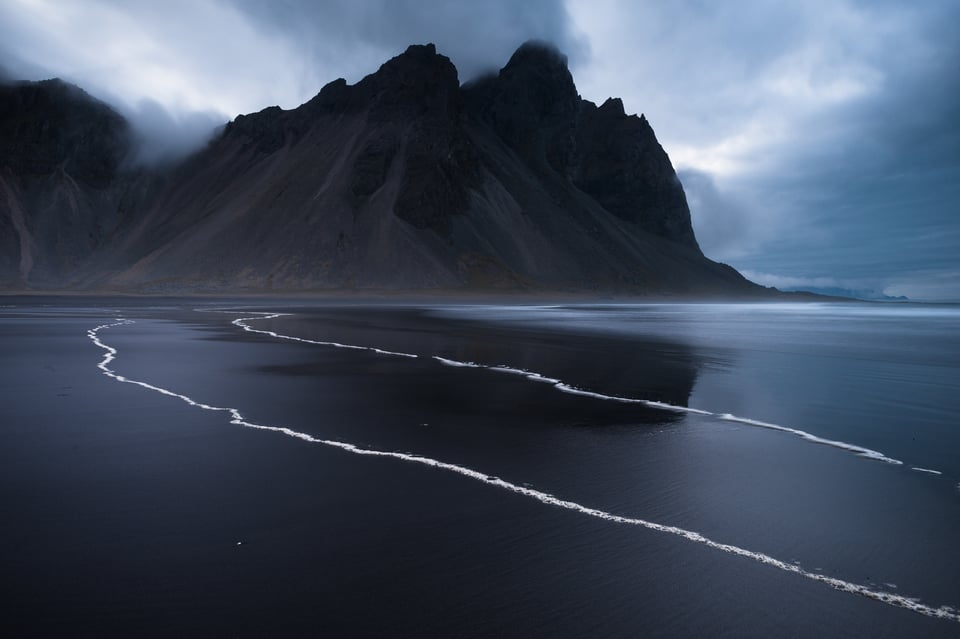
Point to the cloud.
(827, 129)
(788, 282)
(477, 36)
(726, 226)
(179, 68)
(238, 56)
(930, 285)
(161, 136)
(730, 86)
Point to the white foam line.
(892, 599)
(567, 388)
(853, 448)
(535, 377)
(241, 322)
(926, 470)
(531, 375)
(453, 362)
(573, 390)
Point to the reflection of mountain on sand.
(658, 369)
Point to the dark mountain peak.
(416, 63)
(264, 129)
(333, 92)
(537, 54)
(54, 92)
(421, 52)
(532, 104)
(419, 81)
(412, 109)
(612, 110)
(58, 83)
(419, 84)
(612, 106)
(538, 72)
(335, 97)
(54, 86)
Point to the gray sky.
(818, 141)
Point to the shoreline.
(446, 295)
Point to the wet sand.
(130, 512)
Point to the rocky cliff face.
(61, 154)
(532, 105)
(619, 163)
(405, 180)
(51, 125)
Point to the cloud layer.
(181, 67)
(815, 139)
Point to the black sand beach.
(127, 511)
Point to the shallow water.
(532, 398)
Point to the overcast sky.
(818, 142)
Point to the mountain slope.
(60, 153)
(405, 180)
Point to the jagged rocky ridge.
(405, 180)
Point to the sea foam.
(237, 418)
(263, 316)
(573, 390)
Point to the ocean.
(291, 467)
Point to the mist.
(726, 226)
(163, 137)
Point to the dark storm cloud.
(885, 182)
(477, 36)
(727, 228)
(825, 133)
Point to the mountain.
(405, 180)
(865, 294)
(60, 158)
